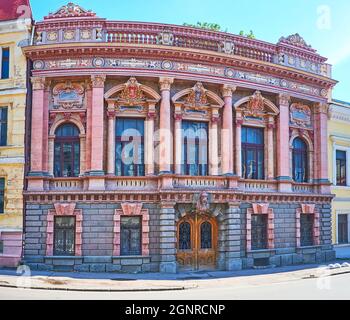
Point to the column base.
(168, 267)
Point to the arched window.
(300, 161)
(67, 151)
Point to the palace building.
(161, 148)
(15, 31)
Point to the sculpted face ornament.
(202, 206)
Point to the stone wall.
(97, 240)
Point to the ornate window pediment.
(68, 95)
(300, 115)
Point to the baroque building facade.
(15, 30)
(339, 162)
(163, 148)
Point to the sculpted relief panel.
(68, 95)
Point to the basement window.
(261, 262)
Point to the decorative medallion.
(202, 205)
(167, 65)
(68, 96)
(85, 34)
(229, 73)
(69, 35)
(98, 62)
(227, 47)
(255, 106)
(52, 36)
(38, 65)
(197, 96)
(300, 115)
(165, 38)
(132, 92)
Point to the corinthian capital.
(165, 83)
(283, 99)
(98, 81)
(321, 108)
(227, 90)
(38, 83)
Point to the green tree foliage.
(249, 35)
(205, 25)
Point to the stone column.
(238, 147)
(167, 238)
(213, 151)
(227, 132)
(37, 131)
(233, 237)
(149, 141)
(178, 140)
(96, 180)
(165, 147)
(283, 167)
(270, 149)
(321, 146)
(88, 127)
(51, 154)
(45, 141)
(111, 143)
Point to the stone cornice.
(153, 51)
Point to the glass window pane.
(130, 236)
(185, 236)
(5, 63)
(259, 231)
(306, 229)
(206, 236)
(3, 126)
(64, 236)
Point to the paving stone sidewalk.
(112, 282)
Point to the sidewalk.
(108, 282)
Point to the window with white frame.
(341, 162)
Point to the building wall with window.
(13, 77)
(165, 151)
(339, 168)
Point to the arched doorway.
(197, 242)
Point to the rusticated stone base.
(233, 253)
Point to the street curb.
(99, 290)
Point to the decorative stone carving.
(202, 205)
(255, 105)
(165, 38)
(197, 96)
(85, 34)
(38, 83)
(165, 83)
(227, 91)
(300, 115)
(227, 47)
(132, 92)
(98, 81)
(295, 40)
(68, 95)
(52, 36)
(70, 10)
(69, 35)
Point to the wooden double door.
(197, 242)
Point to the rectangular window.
(306, 230)
(1, 247)
(343, 232)
(341, 167)
(253, 153)
(259, 231)
(2, 195)
(64, 236)
(3, 126)
(130, 241)
(5, 63)
(195, 148)
(130, 147)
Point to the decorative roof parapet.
(297, 41)
(69, 11)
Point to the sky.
(325, 25)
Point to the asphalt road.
(335, 287)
